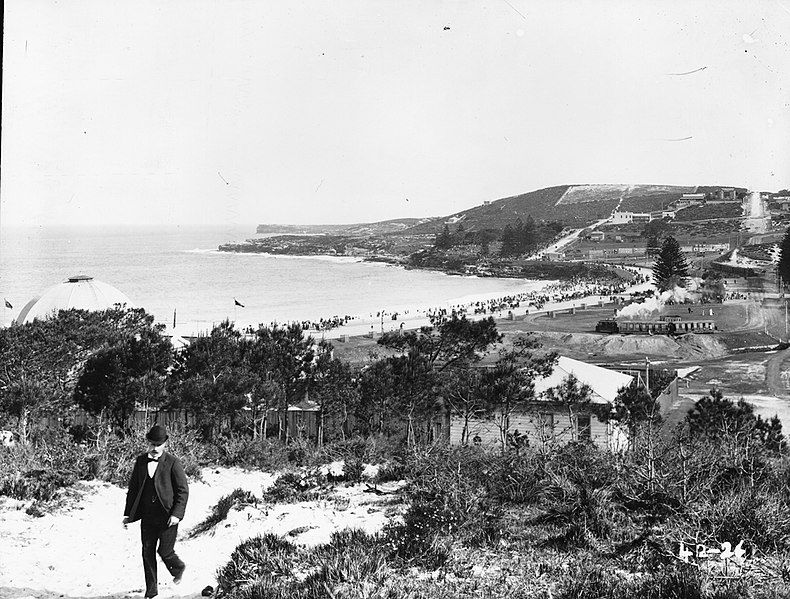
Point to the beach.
(176, 273)
(542, 297)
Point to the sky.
(230, 111)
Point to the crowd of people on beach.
(564, 291)
(327, 324)
(578, 288)
(322, 324)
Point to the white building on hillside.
(620, 217)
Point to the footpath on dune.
(83, 550)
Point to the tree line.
(517, 238)
(113, 363)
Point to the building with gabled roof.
(543, 421)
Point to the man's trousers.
(154, 530)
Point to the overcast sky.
(223, 111)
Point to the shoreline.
(414, 323)
(413, 317)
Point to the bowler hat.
(157, 435)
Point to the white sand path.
(86, 552)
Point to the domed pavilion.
(80, 292)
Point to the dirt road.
(776, 373)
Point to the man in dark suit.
(157, 496)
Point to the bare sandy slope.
(686, 347)
(84, 551)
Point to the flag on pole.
(8, 305)
(237, 302)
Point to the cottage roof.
(604, 383)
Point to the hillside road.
(572, 236)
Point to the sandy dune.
(84, 551)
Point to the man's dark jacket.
(170, 483)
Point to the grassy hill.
(573, 205)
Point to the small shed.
(303, 419)
(597, 236)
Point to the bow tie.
(150, 459)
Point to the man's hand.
(172, 521)
(125, 521)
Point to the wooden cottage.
(544, 421)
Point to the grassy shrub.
(369, 450)
(236, 499)
(263, 454)
(612, 522)
(40, 484)
(41, 468)
(517, 478)
(256, 560)
(351, 556)
(596, 582)
(391, 470)
(296, 486)
(758, 516)
(580, 497)
(352, 470)
(53, 460)
(448, 498)
(269, 566)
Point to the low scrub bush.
(254, 563)
(682, 582)
(351, 556)
(235, 500)
(391, 470)
(517, 478)
(40, 484)
(448, 498)
(38, 470)
(296, 486)
(579, 497)
(370, 450)
(270, 566)
(263, 454)
(53, 460)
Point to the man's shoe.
(177, 578)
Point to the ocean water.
(164, 269)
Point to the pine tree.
(518, 237)
(460, 234)
(529, 240)
(670, 268)
(444, 240)
(508, 241)
(784, 259)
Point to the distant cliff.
(378, 228)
